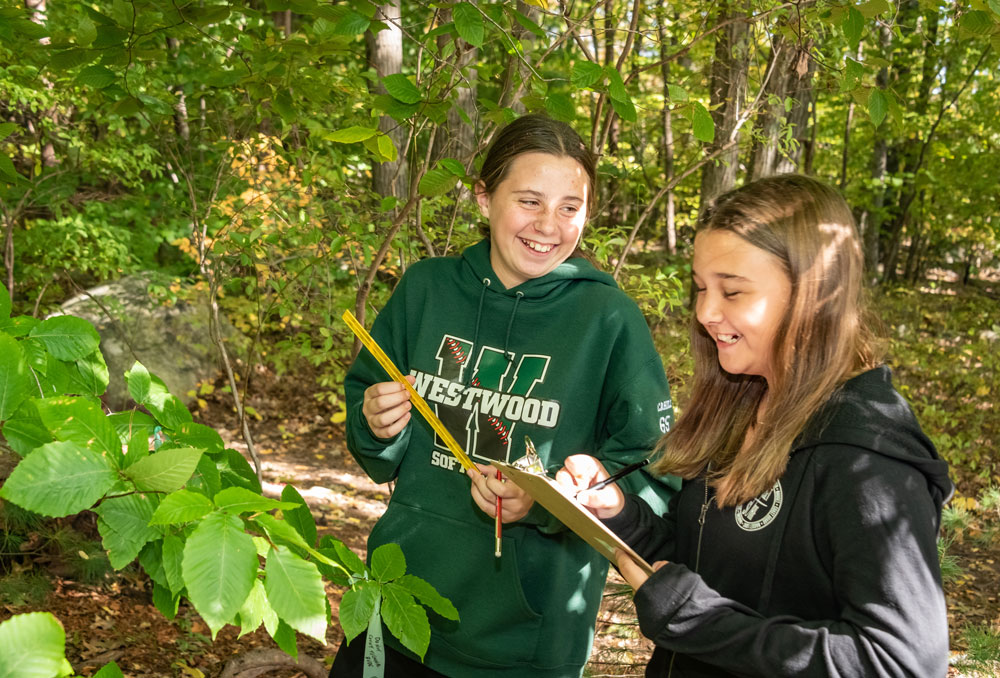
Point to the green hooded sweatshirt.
(566, 359)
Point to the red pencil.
(497, 553)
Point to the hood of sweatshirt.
(860, 413)
(477, 259)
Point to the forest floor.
(298, 445)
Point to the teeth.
(728, 338)
(538, 247)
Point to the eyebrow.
(538, 194)
(725, 276)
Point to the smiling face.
(536, 215)
(743, 294)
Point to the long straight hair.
(825, 337)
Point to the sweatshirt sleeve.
(379, 457)
(877, 520)
(638, 410)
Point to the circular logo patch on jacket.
(760, 512)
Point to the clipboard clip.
(530, 462)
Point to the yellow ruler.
(415, 397)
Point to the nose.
(707, 308)
(546, 223)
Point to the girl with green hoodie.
(518, 337)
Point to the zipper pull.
(704, 510)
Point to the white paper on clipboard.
(573, 515)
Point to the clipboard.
(573, 515)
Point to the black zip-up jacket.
(833, 572)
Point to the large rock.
(171, 339)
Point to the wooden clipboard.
(573, 515)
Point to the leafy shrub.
(166, 491)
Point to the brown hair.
(535, 133)
(825, 338)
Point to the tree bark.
(385, 55)
(667, 148)
(728, 88)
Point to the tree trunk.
(517, 74)
(385, 55)
(667, 148)
(728, 90)
(803, 97)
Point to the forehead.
(561, 171)
(723, 254)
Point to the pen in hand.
(618, 475)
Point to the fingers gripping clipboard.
(573, 515)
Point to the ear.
(482, 198)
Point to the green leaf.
(96, 76)
(219, 567)
(81, 421)
(616, 86)
(284, 638)
(401, 89)
(68, 59)
(428, 595)
(182, 506)
(6, 129)
(382, 148)
(133, 423)
(25, 431)
(281, 532)
(139, 382)
(854, 72)
(337, 550)
(283, 104)
(301, 518)
(702, 124)
(352, 23)
(67, 337)
(994, 5)
(33, 645)
(207, 480)
(453, 166)
(528, 24)
(854, 25)
(235, 470)
(15, 377)
(388, 562)
(624, 109)
(878, 106)
(356, 608)
(59, 479)
(295, 590)
(124, 526)
(873, 8)
(90, 374)
(437, 181)
(560, 107)
(165, 601)
(677, 93)
(469, 23)
(586, 74)
(173, 558)
(351, 135)
(976, 22)
(164, 471)
(7, 168)
(191, 434)
(405, 619)
(167, 408)
(236, 500)
(110, 671)
(254, 608)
